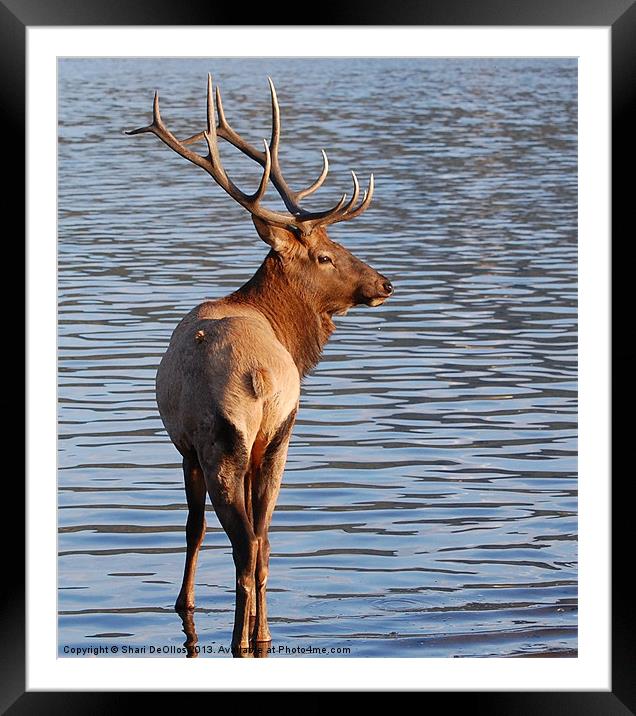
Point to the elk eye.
(324, 259)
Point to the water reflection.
(257, 649)
(429, 506)
(189, 629)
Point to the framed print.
(446, 499)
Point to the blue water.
(429, 505)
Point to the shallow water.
(429, 505)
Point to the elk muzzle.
(375, 292)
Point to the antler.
(297, 218)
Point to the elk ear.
(279, 238)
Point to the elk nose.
(388, 287)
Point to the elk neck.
(299, 321)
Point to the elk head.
(321, 270)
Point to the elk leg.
(225, 474)
(250, 516)
(265, 493)
(195, 529)
(244, 549)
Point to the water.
(429, 505)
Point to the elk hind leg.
(195, 528)
(252, 477)
(267, 481)
(247, 493)
(224, 469)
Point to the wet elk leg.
(195, 529)
(265, 494)
(224, 477)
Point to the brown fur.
(302, 328)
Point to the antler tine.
(158, 128)
(366, 200)
(210, 107)
(275, 141)
(248, 201)
(290, 198)
(300, 195)
(194, 138)
(225, 131)
(356, 192)
(210, 132)
(342, 213)
(155, 116)
(315, 217)
(280, 183)
(258, 195)
(219, 109)
(222, 126)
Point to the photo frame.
(622, 23)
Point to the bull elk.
(228, 385)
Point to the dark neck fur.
(298, 321)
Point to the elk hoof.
(262, 634)
(242, 651)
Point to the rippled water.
(429, 502)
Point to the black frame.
(620, 15)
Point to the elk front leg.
(264, 495)
(195, 529)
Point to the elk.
(228, 385)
